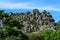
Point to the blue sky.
(52, 6)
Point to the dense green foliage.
(10, 33)
(45, 35)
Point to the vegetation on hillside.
(12, 30)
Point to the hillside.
(28, 26)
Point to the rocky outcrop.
(2, 22)
(36, 21)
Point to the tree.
(1, 12)
(9, 33)
(58, 25)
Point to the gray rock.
(1, 23)
(44, 21)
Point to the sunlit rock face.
(36, 21)
(2, 22)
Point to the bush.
(45, 35)
(32, 36)
(9, 33)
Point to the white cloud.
(5, 5)
(12, 6)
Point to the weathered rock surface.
(36, 21)
(2, 22)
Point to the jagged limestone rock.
(2, 22)
(36, 21)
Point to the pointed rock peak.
(44, 12)
(35, 11)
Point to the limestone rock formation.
(36, 21)
(2, 22)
